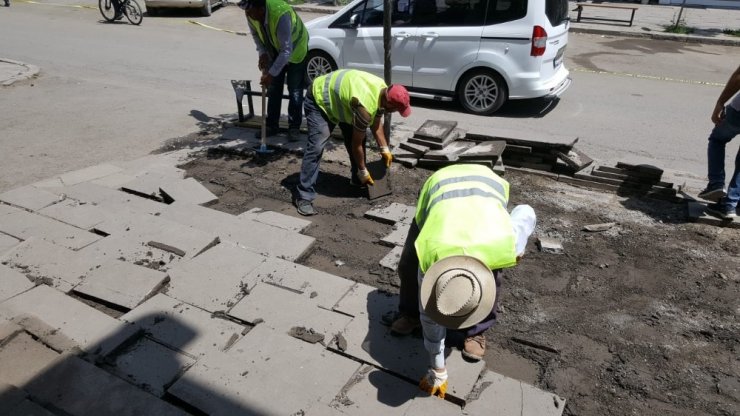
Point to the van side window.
(460, 12)
(500, 11)
(556, 11)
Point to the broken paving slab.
(375, 392)
(78, 214)
(392, 213)
(512, 397)
(122, 284)
(47, 263)
(282, 309)
(148, 185)
(111, 199)
(216, 279)
(88, 174)
(24, 225)
(549, 245)
(182, 326)
(45, 333)
(397, 237)
(370, 341)
(186, 190)
(255, 377)
(22, 358)
(390, 261)
(258, 237)
(12, 283)
(325, 289)
(77, 387)
(94, 331)
(132, 250)
(286, 222)
(149, 365)
(450, 152)
(486, 150)
(29, 197)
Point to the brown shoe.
(405, 325)
(474, 347)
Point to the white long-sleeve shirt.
(523, 220)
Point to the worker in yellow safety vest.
(450, 269)
(355, 100)
(282, 45)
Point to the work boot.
(405, 325)
(718, 209)
(294, 135)
(712, 194)
(305, 207)
(474, 347)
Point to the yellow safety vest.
(333, 93)
(462, 211)
(275, 9)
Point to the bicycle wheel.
(107, 10)
(133, 12)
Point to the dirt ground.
(641, 319)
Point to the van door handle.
(432, 35)
(402, 35)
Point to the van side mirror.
(354, 21)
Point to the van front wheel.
(482, 92)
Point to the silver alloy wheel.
(481, 93)
(318, 65)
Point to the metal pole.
(387, 10)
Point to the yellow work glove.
(385, 152)
(434, 383)
(365, 177)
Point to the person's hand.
(266, 79)
(385, 152)
(718, 114)
(365, 177)
(434, 383)
(263, 62)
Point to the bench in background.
(580, 6)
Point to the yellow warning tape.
(650, 77)
(76, 6)
(219, 29)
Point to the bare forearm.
(358, 151)
(732, 87)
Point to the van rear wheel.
(482, 92)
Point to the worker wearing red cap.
(355, 100)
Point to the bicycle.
(129, 8)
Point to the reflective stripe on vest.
(334, 91)
(461, 193)
(331, 93)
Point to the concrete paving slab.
(24, 225)
(147, 184)
(324, 288)
(392, 213)
(6, 209)
(54, 182)
(111, 199)
(436, 130)
(46, 334)
(433, 406)
(267, 305)
(22, 358)
(8, 329)
(122, 284)
(216, 279)
(374, 392)
(149, 365)
(407, 162)
(258, 237)
(276, 219)
(77, 387)
(95, 332)
(182, 326)
(132, 250)
(29, 197)
(186, 190)
(417, 149)
(512, 397)
(47, 263)
(397, 237)
(114, 181)
(254, 378)
(12, 283)
(163, 164)
(79, 214)
(449, 152)
(390, 261)
(88, 174)
(10, 397)
(370, 341)
(383, 180)
(29, 408)
(485, 150)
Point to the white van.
(482, 52)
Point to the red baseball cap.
(398, 97)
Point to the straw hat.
(458, 292)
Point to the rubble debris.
(599, 227)
(340, 342)
(535, 345)
(308, 335)
(167, 248)
(575, 159)
(549, 245)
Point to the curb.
(658, 36)
(29, 72)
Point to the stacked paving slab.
(122, 293)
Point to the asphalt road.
(116, 91)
